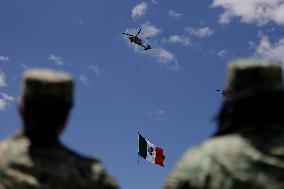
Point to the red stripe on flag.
(159, 159)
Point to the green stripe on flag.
(142, 147)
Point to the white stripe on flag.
(151, 152)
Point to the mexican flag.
(150, 152)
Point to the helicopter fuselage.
(135, 39)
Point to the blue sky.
(167, 93)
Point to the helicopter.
(135, 39)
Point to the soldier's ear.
(21, 110)
(62, 123)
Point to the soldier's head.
(256, 95)
(46, 99)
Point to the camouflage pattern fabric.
(25, 166)
(251, 159)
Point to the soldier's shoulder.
(5, 142)
(207, 158)
(79, 157)
(224, 146)
(14, 146)
(94, 166)
(12, 140)
(203, 161)
(83, 162)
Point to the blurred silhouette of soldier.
(35, 158)
(247, 151)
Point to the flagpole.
(138, 149)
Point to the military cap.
(47, 86)
(250, 75)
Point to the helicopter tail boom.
(147, 47)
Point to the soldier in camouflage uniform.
(35, 158)
(247, 151)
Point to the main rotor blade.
(138, 33)
(127, 34)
